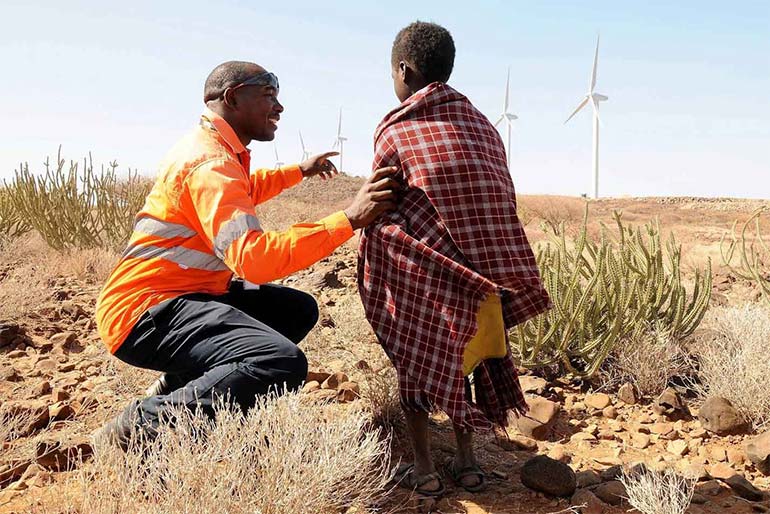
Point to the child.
(444, 276)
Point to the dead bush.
(551, 210)
(733, 359)
(648, 359)
(658, 492)
(281, 458)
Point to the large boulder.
(548, 476)
(758, 452)
(718, 415)
(539, 421)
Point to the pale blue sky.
(689, 84)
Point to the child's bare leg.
(417, 422)
(465, 458)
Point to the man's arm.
(267, 183)
(218, 193)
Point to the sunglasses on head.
(263, 79)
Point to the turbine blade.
(502, 116)
(301, 141)
(275, 148)
(339, 124)
(507, 90)
(577, 110)
(593, 70)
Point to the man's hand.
(319, 165)
(379, 194)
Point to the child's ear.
(402, 69)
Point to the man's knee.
(287, 366)
(307, 315)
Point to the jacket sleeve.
(267, 183)
(219, 196)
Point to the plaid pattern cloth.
(424, 270)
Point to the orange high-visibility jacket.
(198, 227)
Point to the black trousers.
(238, 345)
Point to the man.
(443, 277)
(171, 303)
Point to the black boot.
(120, 430)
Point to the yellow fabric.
(489, 341)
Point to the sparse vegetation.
(605, 290)
(733, 360)
(753, 261)
(281, 457)
(78, 207)
(12, 224)
(658, 492)
(648, 359)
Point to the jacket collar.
(224, 129)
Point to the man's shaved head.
(228, 74)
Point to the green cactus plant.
(12, 224)
(753, 256)
(78, 207)
(604, 290)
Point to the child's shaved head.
(428, 47)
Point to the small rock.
(35, 414)
(548, 476)
(611, 492)
(640, 441)
(334, 381)
(668, 402)
(582, 436)
(62, 456)
(598, 401)
(758, 452)
(587, 502)
(627, 394)
(311, 386)
(317, 376)
(587, 478)
(611, 473)
(719, 416)
(718, 454)
(9, 374)
(710, 487)
(63, 338)
(744, 488)
(721, 471)
(735, 456)
(610, 412)
(532, 384)
(516, 442)
(42, 388)
(60, 411)
(348, 392)
(539, 421)
(678, 448)
(558, 452)
(661, 428)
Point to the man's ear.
(229, 99)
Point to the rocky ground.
(58, 384)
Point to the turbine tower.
(594, 98)
(278, 162)
(338, 142)
(305, 151)
(507, 117)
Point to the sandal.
(468, 471)
(405, 477)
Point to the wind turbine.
(507, 116)
(594, 98)
(305, 151)
(340, 139)
(278, 162)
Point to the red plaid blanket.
(423, 271)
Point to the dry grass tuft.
(13, 424)
(658, 492)
(733, 360)
(380, 392)
(648, 359)
(282, 457)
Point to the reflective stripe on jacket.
(198, 227)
